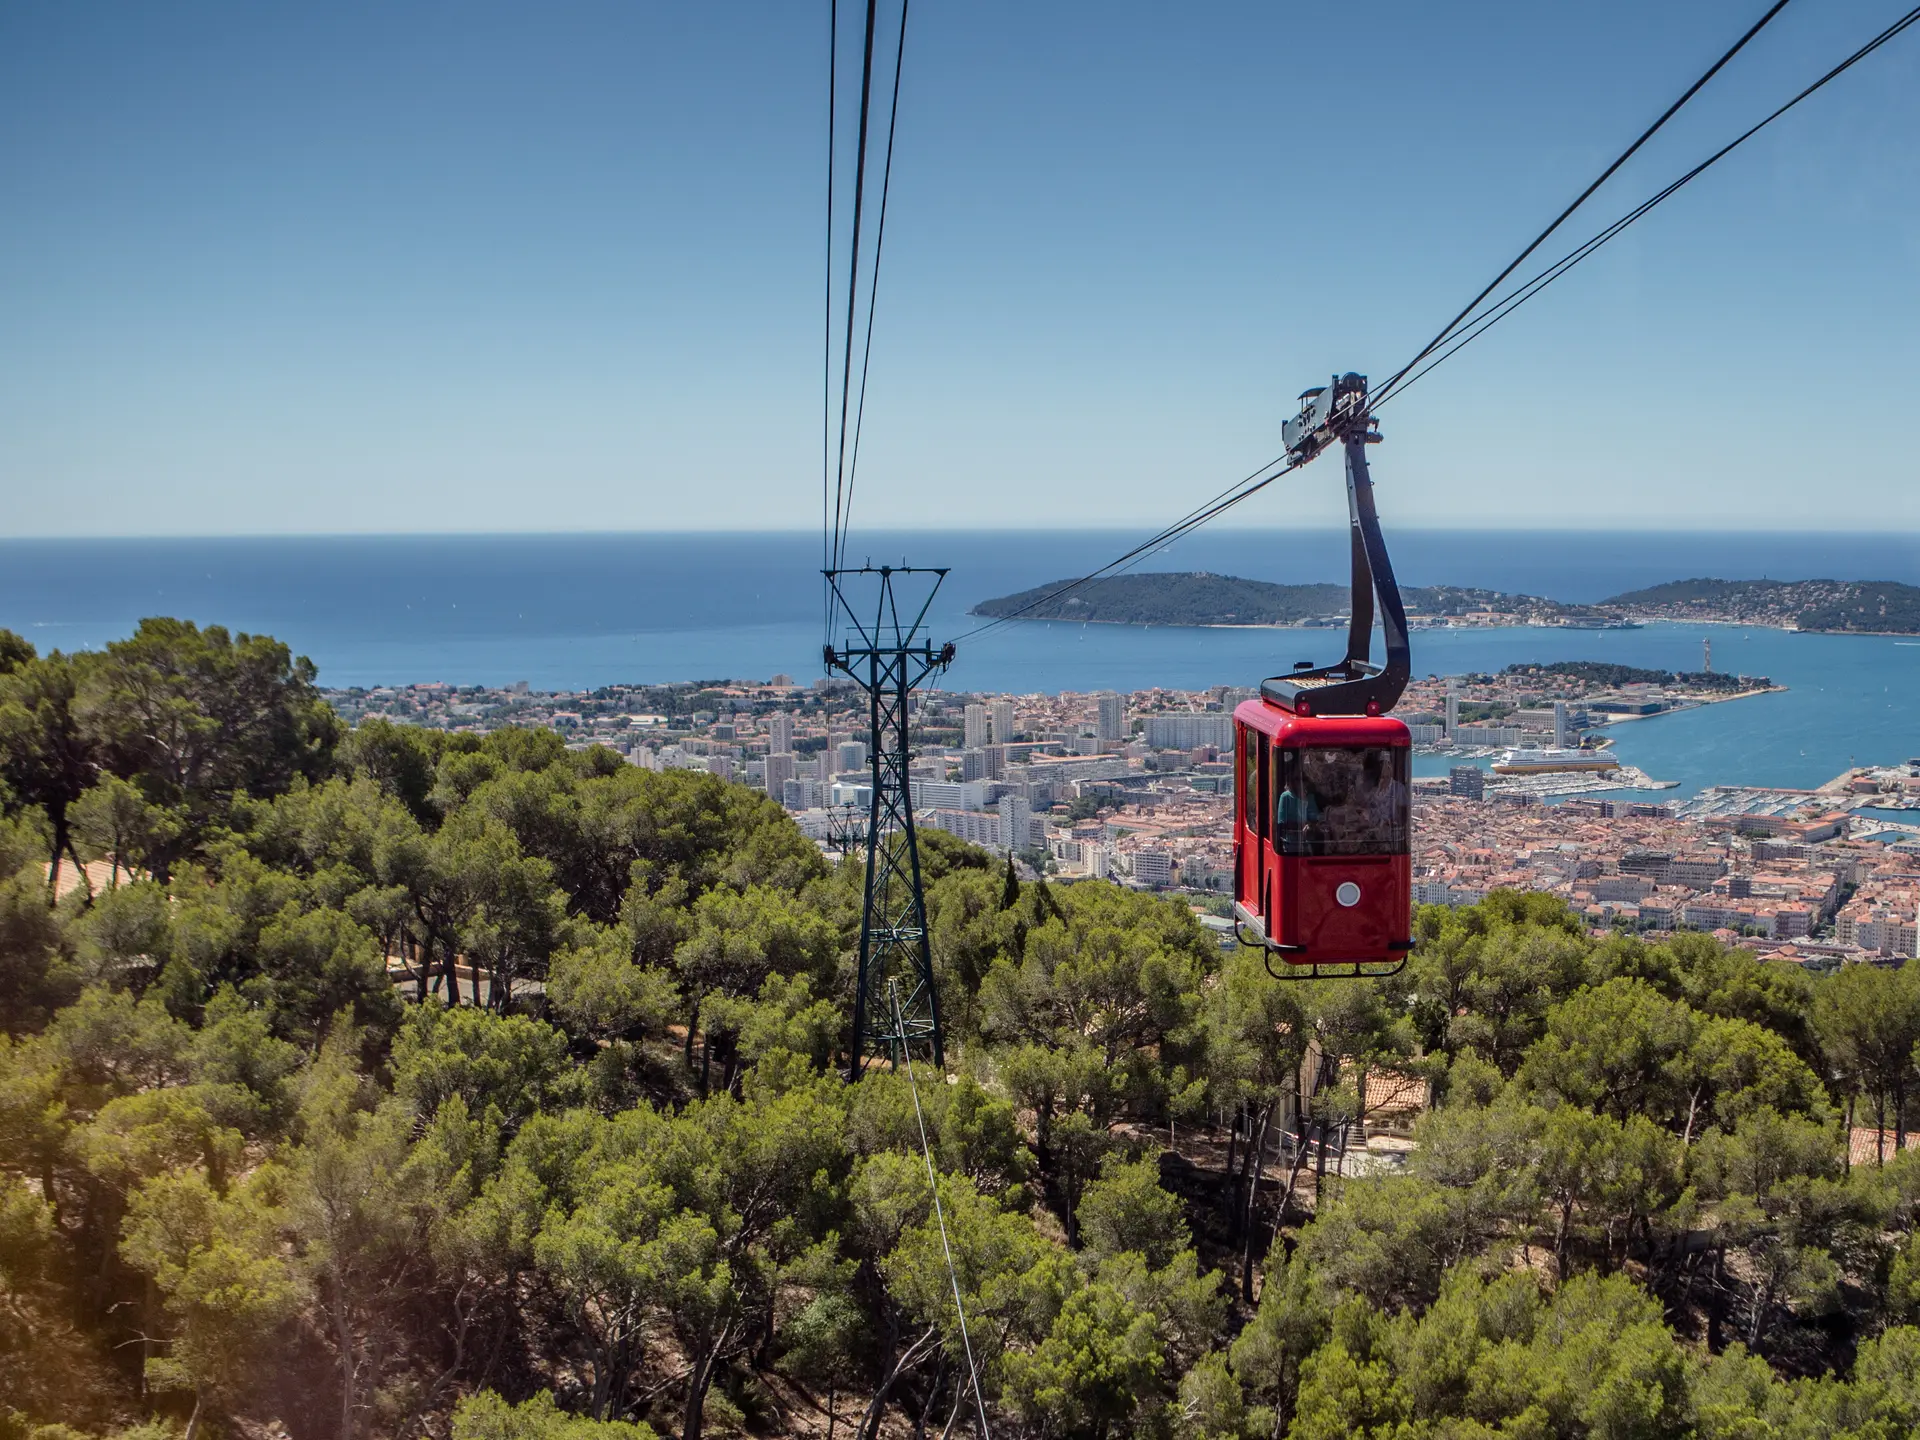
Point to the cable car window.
(1263, 789)
(1342, 800)
(1250, 771)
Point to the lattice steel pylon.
(887, 656)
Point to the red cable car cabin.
(1323, 815)
(1323, 834)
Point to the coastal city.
(1252, 861)
(1138, 788)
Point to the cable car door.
(1247, 857)
(1262, 821)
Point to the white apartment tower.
(1453, 708)
(1016, 822)
(1110, 718)
(780, 733)
(1560, 734)
(975, 734)
(1002, 721)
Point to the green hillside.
(1201, 598)
(1861, 605)
(1197, 598)
(1600, 672)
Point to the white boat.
(1541, 762)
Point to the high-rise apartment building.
(1467, 781)
(1453, 708)
(1560, 731)
(780, 733)
(779, 771)
(849, 756)
(1002, 721)
(1110, 718)
(1016, 822)
(974, 727)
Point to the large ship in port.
(1541, 762)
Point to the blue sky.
(478, 266)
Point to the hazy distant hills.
(1862, 605)
(1201, 598)
(1161, 599)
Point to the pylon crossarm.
(876, 636)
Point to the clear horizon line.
(1116, 528)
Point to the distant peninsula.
(1882, 607)
(1199, 597)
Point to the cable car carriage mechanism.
(1323, 866)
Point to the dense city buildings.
(1139, 788)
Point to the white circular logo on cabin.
(1348, 894)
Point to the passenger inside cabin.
(1343, 802)
(1385, 796)
(1291, 810)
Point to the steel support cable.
(1532, 287)
(1566, 262)
(873, 282)
(940, 1214)
(853, 272)
(1584, 195)
(1539, 282)
(826, 351)
(1230, 499)
(1215, 508)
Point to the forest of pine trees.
(397, 1083)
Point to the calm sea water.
(570, 612)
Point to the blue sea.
(577, 611)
